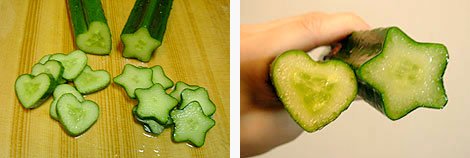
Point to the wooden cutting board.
(195, 50)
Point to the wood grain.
(195, 50)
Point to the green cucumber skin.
(77, 16)
(361, 47)
(81, 19)
(151, 14)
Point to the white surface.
(363, 132)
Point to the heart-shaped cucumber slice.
(73, 63)
(52, 67)
(33, 91)
(314, 93)
(97, 39)
(58, 92)
(76, 117)
(90, 81)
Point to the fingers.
(302, 32)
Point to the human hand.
(264, 124)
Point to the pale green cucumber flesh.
(191, 124)
(73, 63)
(44, 59)
(58, 92)
(199, 95)
(32, 91)
(179, 87)
(139, 45)
(75, 116)
(133, 77)
(90, 81)
(160, 77)
(155, 104)
(314, 93)
(406, 74)
(97, 39)
(51, 67)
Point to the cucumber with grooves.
(395, 73)
(90, 27)
(145, 28)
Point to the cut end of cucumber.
(314, 93)
(97, 39)
(413, 71)
(139, 45)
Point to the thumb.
(303, 32)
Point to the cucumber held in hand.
(314, 93)
(76, 117)
(395, 73)
(144, 30)
(32, 91)
(90, 27)
(191, 124)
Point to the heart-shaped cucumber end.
(32, 91)
(314, 93)
(76, 117)
(97, 40)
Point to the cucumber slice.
(314, 93)
(179, 87)
(76, 117)
(396, 74)
(32, 91)
(191, 124)
(133, 77)
(51, 67)
(90, 26)
(149, 125)
(44, 59)
(160, 77)
(201, 96)
(154, 103)
(90, 81)
(73, 63)
(58, 92)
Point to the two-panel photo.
(235, 78)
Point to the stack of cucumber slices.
(50, 77)
(388, 69)
(188, 108)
